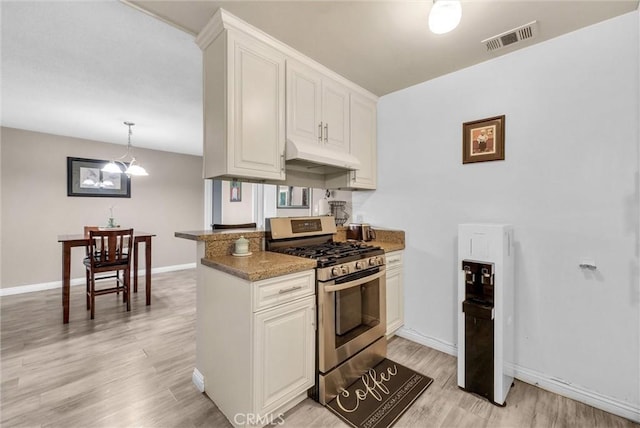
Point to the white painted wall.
(569, 185)
(271, 210)
(36, 208)
(237, 212)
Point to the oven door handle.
(354, 283)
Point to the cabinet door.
(395, 292)
(284, 353)
(335, 115)
(364, 141)
(256, 109)
(303, 103)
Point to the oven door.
(352, 315)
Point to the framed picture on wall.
(483, 140)
(235, 191)
(86, 178)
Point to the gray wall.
(569, 185)
(36, 208)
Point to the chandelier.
(129, 168)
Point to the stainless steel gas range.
(351, 297)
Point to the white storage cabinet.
(244, 107)
(256, 343)
(395, 292)
(317, 108)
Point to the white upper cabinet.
(304, 104)
(244, 108)
(266, 107)
(317, 108)
(363, 146)
(364, 142)
(258, 109)
(335, 115)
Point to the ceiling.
(82, 68)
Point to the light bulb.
(134, 169)
(112, 167)
(444, 16)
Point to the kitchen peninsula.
(256, 322)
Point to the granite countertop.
(267, 264)
(219, 235)
(259, 265)
(387, 246)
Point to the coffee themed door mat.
(380, 396)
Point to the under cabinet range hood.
(315, 158)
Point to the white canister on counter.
(241, 245)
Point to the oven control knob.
(375, 261)
(336, 271)
(345, 269)
(359, 265)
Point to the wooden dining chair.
(217, 226)
(116, 275)
(109, 251)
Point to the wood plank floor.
(134, 370)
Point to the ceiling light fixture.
(444, 16)
(132, 168)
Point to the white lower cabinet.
(255, 343)
(395, 292)
(284, 342)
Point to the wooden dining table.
(81, 240)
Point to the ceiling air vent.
(524, 32)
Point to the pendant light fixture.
(444, 16)
(133, 168)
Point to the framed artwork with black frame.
(483, 140)
(86, 178)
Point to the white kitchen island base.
(255, 343)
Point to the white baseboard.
(594, 399)
(591, 398)
(173, 268)
(198, 380)
(431, 342)
(30, 288)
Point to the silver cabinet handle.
(353, 175)
(289, 290)
(326, 132)
(282, 162)
(320, 132)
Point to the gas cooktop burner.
(331, 253)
